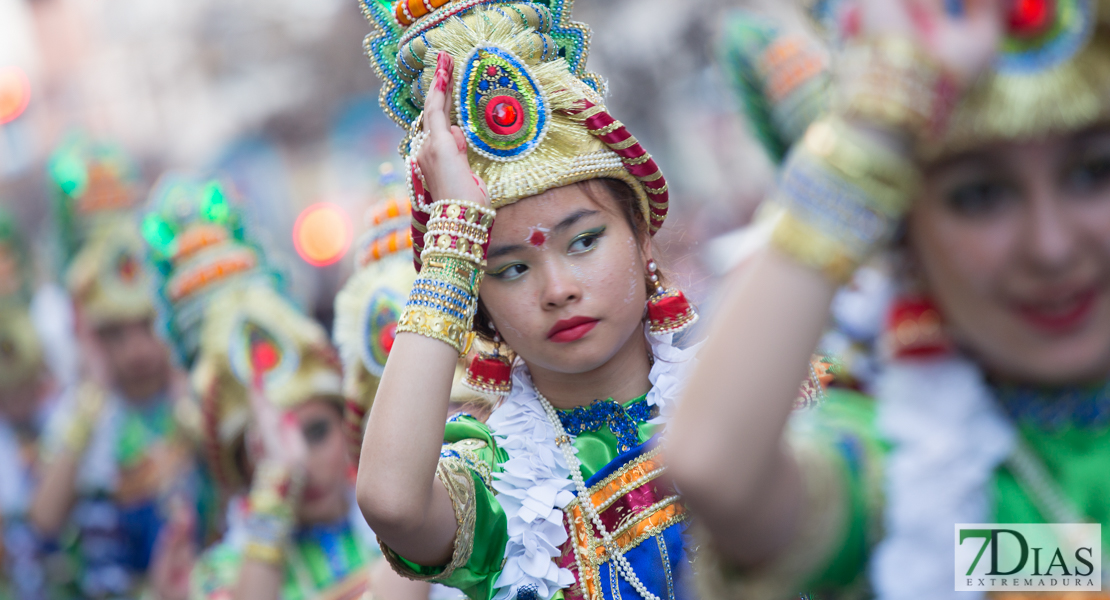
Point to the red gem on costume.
(387, 337)
(1030, 18)
(915, 329)
(504, 115)
(491, 71)
(670, 312)
(490, 375)
(128, 268)
(264, 356)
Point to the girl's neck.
(622, 377)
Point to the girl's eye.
(980, 198)
(1090, 175)
(316, 431)
(586, 241)
(510, 272)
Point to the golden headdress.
(96, 195)
(227, 319)
(533, 117)
(20, 348)
(1052, 75)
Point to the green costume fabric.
(845, 426)
(596, 449)
(319, 559)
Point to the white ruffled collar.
(948, 436)
(535, 485)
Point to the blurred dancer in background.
(993, 405)
(267, 409)
(113, 458)
(24, 387)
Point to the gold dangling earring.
(490, 373)
(668, 310)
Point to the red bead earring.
(915, 329)
(490, 373)
(668, 310)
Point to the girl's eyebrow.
(499, 251)
(573, 218)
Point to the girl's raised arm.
(398, 491)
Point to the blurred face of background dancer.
(327, 490)
(20, 402)
(137, 360)
(1013, 243)
(565, 284)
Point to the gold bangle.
(891, 181)
(814, 248)
(434, 324)
(265, 553)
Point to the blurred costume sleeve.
(840, 457)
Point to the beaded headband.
(533, 117)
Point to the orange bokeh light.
(322, 234)
(15, 93)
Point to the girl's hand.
(442, 157)
(962, 35)
(94, 364)
(175, 553)
(276, 436)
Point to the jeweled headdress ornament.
(533, 117)
(96, 193)
(1052, 75)
(227, 319)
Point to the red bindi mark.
(537, 236)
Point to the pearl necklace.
(564, 442)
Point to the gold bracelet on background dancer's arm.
(844, 195)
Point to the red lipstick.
(1061, 317)
(572, 329)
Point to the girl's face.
(328, 487)
(1013, 241)
(565, 281)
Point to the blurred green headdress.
(227, 318)
(95, 188)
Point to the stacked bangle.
(891, 82)
(272, 514)
(458, 228)
(844, 196)
(444, 299)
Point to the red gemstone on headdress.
(1031, 17)
(264, 356)
(504, 114)
(491, 71)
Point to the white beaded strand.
(562, 439)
